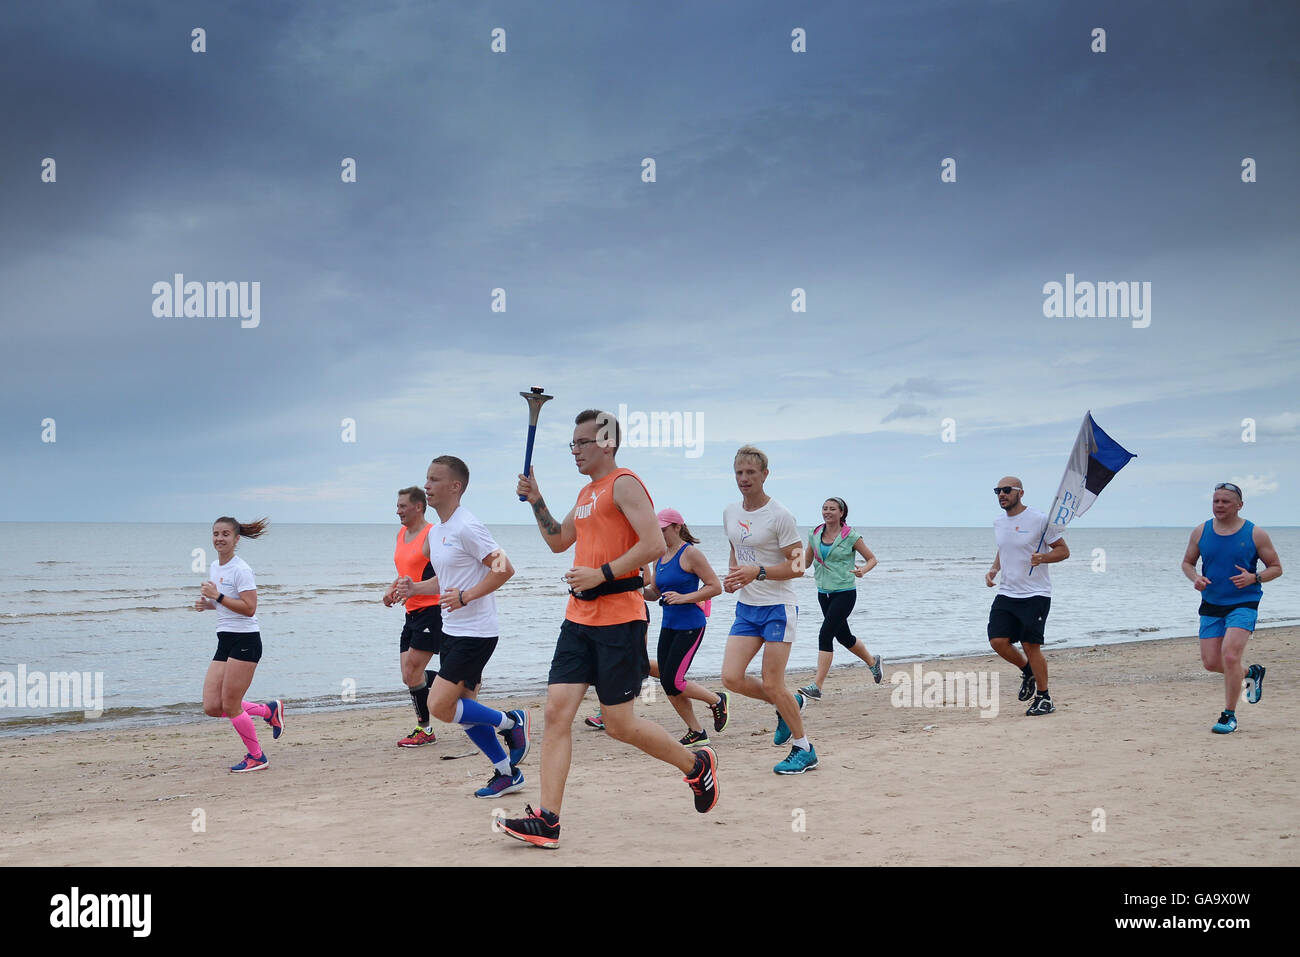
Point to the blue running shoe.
(250, 763)
(783, 732)
(502, 784)
(276, 718)
(1227, 723)
(1255, 683)
(519, 738)
(876, 671)
(798, 761)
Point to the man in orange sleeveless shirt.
(603, 638)
(422, 631)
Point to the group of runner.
(627, 554)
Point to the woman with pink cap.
(681, 582)
(684, 585)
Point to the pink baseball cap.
(670, 516)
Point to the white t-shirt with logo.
(762, 537)
(457, 548)
(1017, 537)
(232, 578)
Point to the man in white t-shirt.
(1020, 610)
(766, 557)
(470, 566)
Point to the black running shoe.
(1041, 705)
(720, 713)
(694, 739)
(534, 828)
(703, 780)
(1027, 687)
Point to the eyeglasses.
(1006, 489)
(574, 446)
(1229, 486)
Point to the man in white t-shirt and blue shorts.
(766, 557)
(470, 566)
(1024, 598)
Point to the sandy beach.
(1125, 773)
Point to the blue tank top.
(670, 576)
(1220, 556)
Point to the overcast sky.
(523, 171)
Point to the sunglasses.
(1229, 486)
(1006, 489)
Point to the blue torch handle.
(528, 456)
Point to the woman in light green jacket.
(831, 553)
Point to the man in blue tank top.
(1230, 549)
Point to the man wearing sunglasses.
(1229, 549)
(1020, 609)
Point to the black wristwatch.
(762, 573)
(220, 598)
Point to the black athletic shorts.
(1020, 619)
(462, 659)
(240, 645)
(611, 657)
(423, 630)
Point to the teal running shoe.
(783, 732)
(1227, 723)
(1255, 683)
(798, 761)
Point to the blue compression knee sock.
(486, 740)
(469, 711)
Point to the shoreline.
(1129, 750)
(161, 716)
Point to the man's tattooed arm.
(545, 521)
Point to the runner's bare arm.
(792, 567)
(406, 587)
(631, 498)
(991, 575)
(501, 571)
(1267, 554)
(1058, 551)
(559, 536)
(786, 570)
(1191, 557)
(860, 547)
(693, 561)
(651, 590)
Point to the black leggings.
(677, 647)
(835, 624)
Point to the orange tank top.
(410, 561)
(603, 535)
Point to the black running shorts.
(611, 657)
(1020, 619)
(423, 630)
(462, 659)
(240, 645)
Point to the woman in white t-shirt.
(231, 591)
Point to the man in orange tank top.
(603, 638)
(422, 631)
